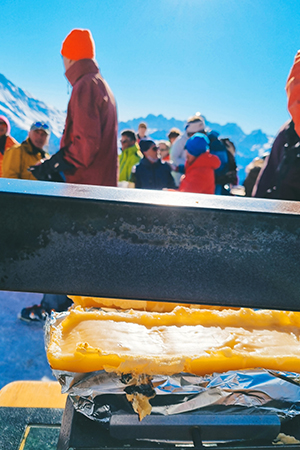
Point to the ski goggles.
(40, 126)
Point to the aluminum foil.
(99, 395)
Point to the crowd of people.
(196, 160)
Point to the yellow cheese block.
(184, 340)
(141, 305)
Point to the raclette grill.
(161, 246)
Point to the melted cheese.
(184, 340)
(142, 305)
(140, 404)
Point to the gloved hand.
(48, 169)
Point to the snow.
(23, 355)
(22, 110)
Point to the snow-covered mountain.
(22, 110)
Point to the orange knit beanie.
(79, 44)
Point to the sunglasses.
(41, 125)
(124, 141)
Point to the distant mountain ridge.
(22, 110)
(248, 146)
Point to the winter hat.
(196, 126)
(214, 134)
(79, 44)
(197, 144)
(145, 144)
(5, 119)
(40, 126)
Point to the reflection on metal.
(222, 428)
(170, 246)
(78, 432)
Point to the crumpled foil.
(99, 395)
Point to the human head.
(257, 162)
(39, 133)
(149, 149)
(164, 149)
(197, 144)
(142, 129)
(173, 134)
(195, 124)
(4, 126)
(128, 139)
(79, 44)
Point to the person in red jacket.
(200, 166)
(88, 153)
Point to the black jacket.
(280, 177)
(147, 175)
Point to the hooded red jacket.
(200, 175)
(90, 135)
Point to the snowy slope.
(22, 110)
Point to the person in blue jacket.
(151, 172)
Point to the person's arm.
(50, 169)
(133, 162)
(216, 162)
(177, 152)
(267, 177)
(138, 180)
(87, 105)
(133, 179)
(87, 135)
(171, 182)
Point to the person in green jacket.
(130, 156)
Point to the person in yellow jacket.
(20, 157)
(130, 156)
(6, 141)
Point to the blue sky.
(228, 59)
